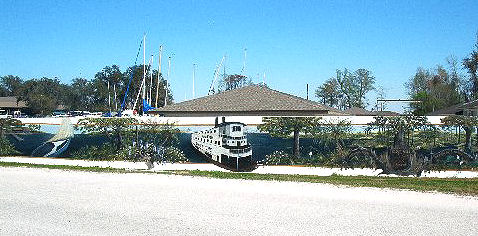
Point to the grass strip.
(68, 167)
(460, 186)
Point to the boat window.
(236, 128)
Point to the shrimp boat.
(225, 145)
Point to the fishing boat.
(225, 145)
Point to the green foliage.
(10, 86)
(468, 124)
(115, 129)
(101, 153)
(174, 155)
(435, 89)
(7, 125)
(347, 89)
(332, 133)
(389, 129)
(128, 139)
(6, 148)
(43, 95)
(284, 126)
(279, 158)
(231, 82)
(34, 128)
(471, 65)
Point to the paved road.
(55, 202)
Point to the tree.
(468, 124)
(231, 82)
(115, 129)
(285, 126)
(435, 89)
(347, 89)
(7, 125)
(471, 65)
(10, 85)
(44, 95)
(329, 93)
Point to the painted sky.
(292, 42)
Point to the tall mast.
(144, 67)
(243, 71)
(109, 96)
(166, 88)
(150, 81)
(115, 101)
(194, 74)
(159, 75)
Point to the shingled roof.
(11, 102)
(358, 111)
(245, 101)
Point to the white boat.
(58, 143)
(225, 145)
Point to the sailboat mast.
(115, 101)
(144, 68)
(109, 96)
(243, 71)
(159, 75)
(194, 74)
(150, 81)
(166, 88)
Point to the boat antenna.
(144, 68)
(159, 74)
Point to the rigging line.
(130, 78)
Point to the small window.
(236, 128)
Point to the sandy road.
(56, 202)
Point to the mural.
(404, 145)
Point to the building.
(357, 111)
(252, 100)
(12, 105)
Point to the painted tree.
(467, 123)
(285, 126)
(115, 129)
(7, 125)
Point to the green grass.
(444, 185)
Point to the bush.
(6, 148)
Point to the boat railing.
(242, 150)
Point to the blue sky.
(292, 42)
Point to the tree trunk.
(468, 131)
(296, 144)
